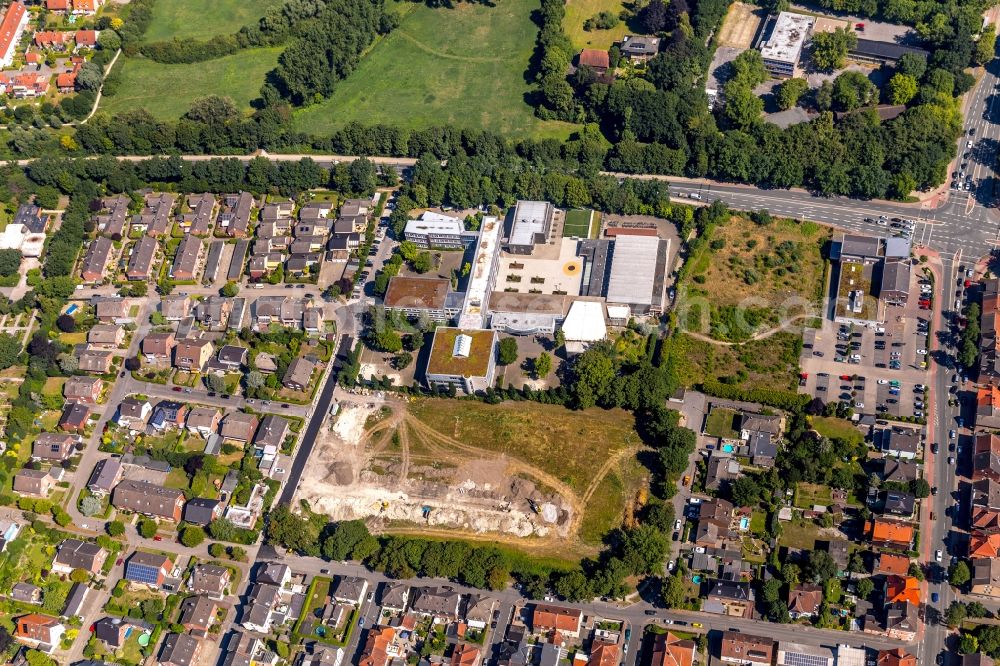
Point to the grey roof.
(239, 425)
(730, 590)
(273, 573)
(77, 554)
(143, 497)
(74, 600)
(633, 270)
(272, 431)
(209, 578)
(200, 510)
(198, 610)
(299, 372)
(232, 354)
(179, 650)
(105, 474)
(186, 258)
(140, 264)
(885, 50)
(155, 560)
(25, 592)
(531, 222)
(899, 502)
(639, 45)
(437, 601)
(30, 216)
(897, 247)
(175, 306)
(350, 587)
(395, 595)
(896, 277)
(860, 246)
(96, 258)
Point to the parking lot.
(877, 368)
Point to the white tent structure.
(584, 324)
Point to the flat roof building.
(638, 268)
(419, 296)
(484, 271)
(465, 359)
(434, 230)
(783, 48)
(531, 226)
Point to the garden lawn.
(168, 91)
(720, 423)
(578, 11)
(462, 66)
(834, 428)
(186, 19)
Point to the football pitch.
(581, 224)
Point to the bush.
(61, 518)
(192, 536)
(115, 528)
(216, 550)
(147, 528)
(79, 575)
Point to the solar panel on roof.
(800, 659)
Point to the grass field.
(720, 423)
(463, 66)
(772, 363)
(808, 495)
(570, 445)
(834, 428)
(749, 277)
(578, 11)
(186, 19)
(579, 223)
(167, 91)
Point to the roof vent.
(463, 345)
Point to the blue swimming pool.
(744, 523)
(696, 579)
(728, 448)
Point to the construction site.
(382, 462)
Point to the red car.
(846, 377)
(860, 27)
(178, 389)
(157, 538)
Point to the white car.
(859, 405)
(938, 556)
(883, 381)
(694, 195)
(922, 352)
(699, 549)
(694, 500)
(952, 434)
(677, 524)
(968, 144)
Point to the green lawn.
(578, 11)
(167, 91)
(578, 224)
(834, 428)
(720, 423)
(462, 66)
(187, 19)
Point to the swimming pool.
(744, 523)
(696, 579)
(728, 448)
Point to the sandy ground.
(352, 475)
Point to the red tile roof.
(595, 58)
(86, 37)
(890, 563)
(57, 5)
(9, 26)
(898, 588)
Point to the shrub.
(115, 528)
(147, 529)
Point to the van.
(695, 195)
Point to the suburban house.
(168, 414)
(232, 358)
(35, 482)
(147, 568)
(730, 598)
(985, 577)
(739, 648)
(272, 432)
(114, 631)
(639, 49)
(671, 650)
(902, 588)
(439, 603)
(379, 648)
(157, 348)
(26, 593)
(899, 442)
(75, 554)
(350, 590)
(891, 564)
(54, 446)
(192, 354)
(890, 533)
(140, 262)
(96, 361)
(210, 580)
(896, 657)
(74, 418)
(988, 407)
(95, 261)
(149, 499)
(175, 307)
(202, 511)
(804, 601)
(546, 618)
(106, 336)
(179, 650)
(105, 476)
(298, 374)
(185, 266)
(986, 457)
(198, 614)
(984, 506)
(133, 414)
(902, 621)
(239, 426)
(83, 389)
(395, 596)
(464, 654)
(203, 421)
(214, 312)
(596, 59)
(38, 631)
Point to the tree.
(132, 364)
(79, 575)
(743, 108)
(920, 488)
(959, 574)
(115, 528)
(852, 90)
(147, 528)
(543, 365)
(216, 549)
(69, 363)
(388, 340)
(230, 289)
(66, 323)
(967, 644)
(655, 16)
(38, 658)
(402, 361)
(956, 614)
(216, 383)
(508, 351)
(902, 89)
(745, 491)
(90, 506)
(830, 49)
(912, 64)
(989, 639)
(10, 350)
(192, 536)
(986, 44)
(423, 262)
(790, 92)
(865, 587)
(255, 380)
(821, 566)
